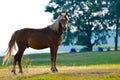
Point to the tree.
(114, 18)
(86, 17)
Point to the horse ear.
(67, 13)
(60, 13)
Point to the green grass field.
(76, 59)
(71, 66)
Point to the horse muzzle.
(64, 28)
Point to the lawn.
(76, 59)
(71, 66)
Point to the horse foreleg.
(55, 55)
(53, 58)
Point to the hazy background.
(17, 14)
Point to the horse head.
(63, 20)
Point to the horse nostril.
(64, 28)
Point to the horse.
(48, 37)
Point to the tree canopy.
(89, 20)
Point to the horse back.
(38, 38)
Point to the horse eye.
(65, 17)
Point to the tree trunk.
(116, 37)
(90, 47)
(117, 25)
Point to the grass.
(73, 59)
(97, 72)
(71, 66)
(76, 59)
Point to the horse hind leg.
(14, 64)
(17, 58)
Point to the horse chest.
(58, 40)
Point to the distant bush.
(98, 49)
(84, 49)
(27, 63)
(73, 50)
(108, 49)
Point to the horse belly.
(38, 45)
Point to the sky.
(18, 14)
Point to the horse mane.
(55, 25)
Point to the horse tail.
(10, 50)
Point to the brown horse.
(51, 37)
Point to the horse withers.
(48, 37)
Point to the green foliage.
(27, 63)
(38, 59)
(87, 17)
(114, 13)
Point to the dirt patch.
(6, 74)
(100, 73)
(80, 72)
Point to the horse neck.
(56, 26)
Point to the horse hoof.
(54, 70)
(21, 72)
(13, 72)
